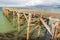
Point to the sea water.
(5, 25)
(55, 10)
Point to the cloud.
(43, 2)
(13, 2)
(27, 2)
(34, 2)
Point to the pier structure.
(33, 19)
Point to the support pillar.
(14, 19)
(28, 28)
(39, 31)
(18, 15)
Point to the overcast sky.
(23, 3)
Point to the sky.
(22, 3)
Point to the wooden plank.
(28, 28)
(25, 16)
(18, 22)
(14, 20)
(34, 21)
(39, 31)
(46, 26)
(58, 35)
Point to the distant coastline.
(43, 9)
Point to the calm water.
(57, 10)
(6, 26)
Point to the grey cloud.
(28, 2)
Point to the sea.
(57, 10)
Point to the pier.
(35, 20)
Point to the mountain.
(49, 6)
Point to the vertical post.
(56, 33)
(28, 28)
(48, 21)
(7, 13)
(39, 31)
(18, 22)
(14, 19)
